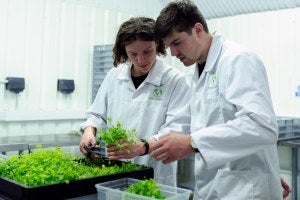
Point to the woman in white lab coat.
(141, 92)
(233, 125)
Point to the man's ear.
(198, 29)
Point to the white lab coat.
(152, 108)
(234, 127)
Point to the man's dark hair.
(180, 16)
(137, 28)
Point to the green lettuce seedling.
(147, 188)
(53, 165)
(114, 135)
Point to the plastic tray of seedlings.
(11, 189)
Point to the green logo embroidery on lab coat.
(157, 92)
(212, 81)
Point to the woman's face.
(142, 54)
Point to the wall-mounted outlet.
(15, 84)
(65, 86)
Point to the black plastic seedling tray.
(13, 190)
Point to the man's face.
(186, 47)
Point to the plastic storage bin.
(114, 190)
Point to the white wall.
(274, 36)
(42, 41)
(45, 40)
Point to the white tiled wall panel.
(42, 41)
(274, 36)
(46, 40)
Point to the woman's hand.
(88, 139)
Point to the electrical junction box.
(297, 93)
(15, 84)
(65, 86)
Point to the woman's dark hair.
(180, 16)
(137, 28)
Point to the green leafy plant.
(114, 135)
(53, 165)
(147, 188)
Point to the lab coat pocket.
(210, 108)
(234, 185)
(153, 105)
(211, 95)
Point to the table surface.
(40, 138)
(16, 143)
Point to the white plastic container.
(114, 190)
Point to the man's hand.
(286, 188)
(125, 150)
(171, 147)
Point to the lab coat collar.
(212, 57)
(125, 73)
(214, 51)
(154, 77)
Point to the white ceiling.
(223, 8)
(209, 8)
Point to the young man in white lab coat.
(142, 93)
(233, 125)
